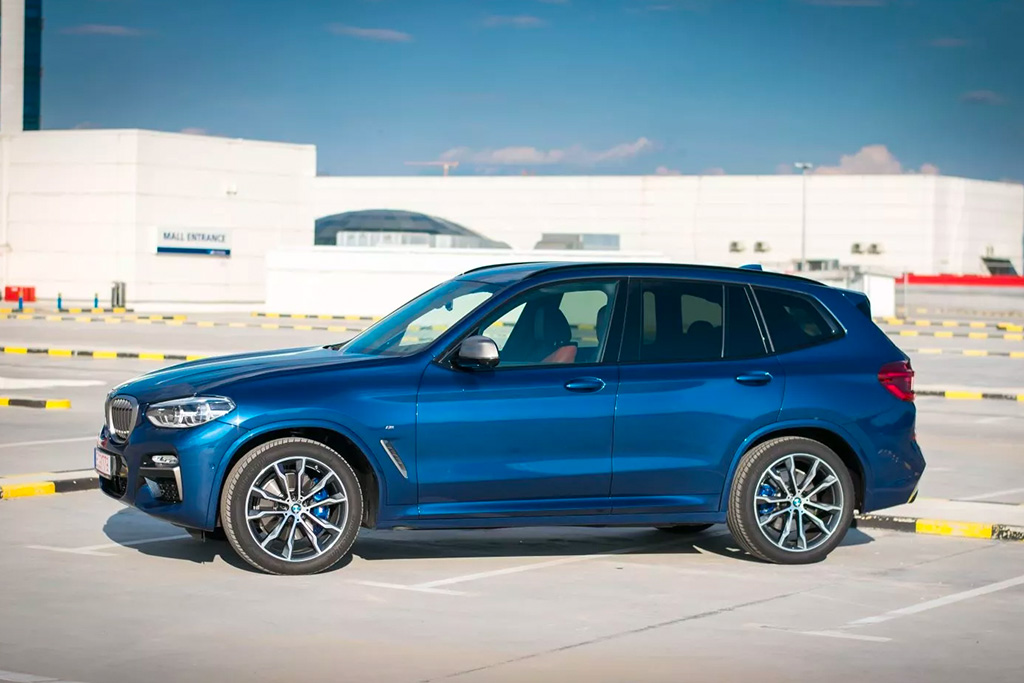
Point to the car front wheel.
(291, 506)
(791, 501)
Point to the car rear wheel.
(684, 528)
(791, 501)
(291, 506)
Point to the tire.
(683, 529)
(783, 531)
(319, 517)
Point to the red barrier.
(27, 294)
(964, 280)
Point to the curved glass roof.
(393, 220)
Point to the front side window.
(563, 323)
(794, 321)
(422, 320)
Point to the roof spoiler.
(751, 266)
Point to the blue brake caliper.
(321, 511)
(768, 491)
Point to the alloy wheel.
(296, 509)
(798, 502)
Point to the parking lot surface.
(95, 592)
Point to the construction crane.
(443, 164)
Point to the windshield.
(422, 320)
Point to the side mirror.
(477, 353)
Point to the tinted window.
(564, 323)
(680, 321)
(794, 321)
(742, 336)
(422, 320)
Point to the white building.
(81, 209)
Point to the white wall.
(83, 208)
(373, 281)
(694, 218)
(79, 209)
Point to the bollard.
(21, 303)
(60, 299)
(96, 300)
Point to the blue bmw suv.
(537, 394)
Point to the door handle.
(585, 384)
(754, 378)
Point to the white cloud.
(784, 169)
(665, 170)
(101, 30)
(577, 155)
(982, 97)
(845, 3)
(948, 42)
(516, 21)
(382, 35)
(872, 160)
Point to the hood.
(209, 374)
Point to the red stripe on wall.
(965, 280)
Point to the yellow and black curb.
(942, 527)
(962, 311)
(68, 353)
(974, 324)
(979, 352)
(1009, 336)
(86, 482)
(89, 309)
(179, 321)
(43, 403)
(303, 316)
(959, 395)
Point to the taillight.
(898, 378)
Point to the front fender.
(787, 426)
(282, 421)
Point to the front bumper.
(185, 494)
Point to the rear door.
(695, 380)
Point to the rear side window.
(680, 321)
(794, 321)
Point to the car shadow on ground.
(374, 546)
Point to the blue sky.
(559, 86)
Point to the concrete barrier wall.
(375, 281)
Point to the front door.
(695, 382)
(534, 435)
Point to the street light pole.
(804, 168)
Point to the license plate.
(104, 463)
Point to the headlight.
(189, 412)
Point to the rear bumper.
(896, 479)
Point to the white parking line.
(402, 587)
(940, 602)
(433, 586)
(847, 636)
(22, 444)
(993, 494)
(94, 550)
(15, 677)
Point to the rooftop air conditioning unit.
(855, 248)
(736, 247)
(761, 247)
(874, 248)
